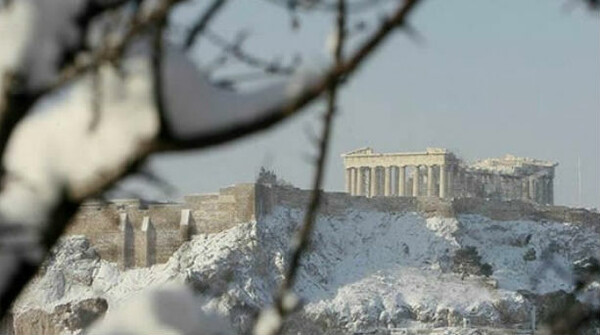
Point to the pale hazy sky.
(492, 77)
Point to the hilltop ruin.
(137, 234)
(439, 173)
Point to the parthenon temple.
(439, 173)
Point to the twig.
(25, 268)
(301, 241)
(16, 100)
(157, 74)
(96, 91)
(245, 57)
(65, 209)
(199, 27)
(112, 53)
(14, 104)
(326, 6)
(230, 81)
(55, 225)
(304, 233)
(291, 108)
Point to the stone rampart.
(135, 234)
(338, 203)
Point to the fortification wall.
(502, 210)
(135, 235)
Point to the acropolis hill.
(453, 245)
(137, 234)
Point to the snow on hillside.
(364, 269)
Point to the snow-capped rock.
(363, 270)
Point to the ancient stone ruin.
(433, 184)
(439, 173)
(134, 234)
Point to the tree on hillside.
(90, 89)
(467, 261)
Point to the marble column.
(541, 189)
(450, 181)
(394, 181)
(387, 181)
(550, 191)
(354, 181)
(416, 177)
(443, 176)
(517, 188)
(402, 181)
(547, 180)
(362, 180)
(430, 181)
(373, 182)
(532, 189)
(349, 180)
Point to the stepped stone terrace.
(438, 172)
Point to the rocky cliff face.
(365, 270)
(65, 318)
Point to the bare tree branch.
(236, 51)
(25, 268)
(230, 81)
(96, 99)
(16, 100)
(111, 53)
(157, 73)
(65, 208)
(202, 23)
(291, 108)
(328, 6)
(302, 238)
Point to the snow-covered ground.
(363, 269)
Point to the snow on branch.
(153, 99)
(281, 103)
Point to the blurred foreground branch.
(293, 106)
(63, 208)
(285, 301)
